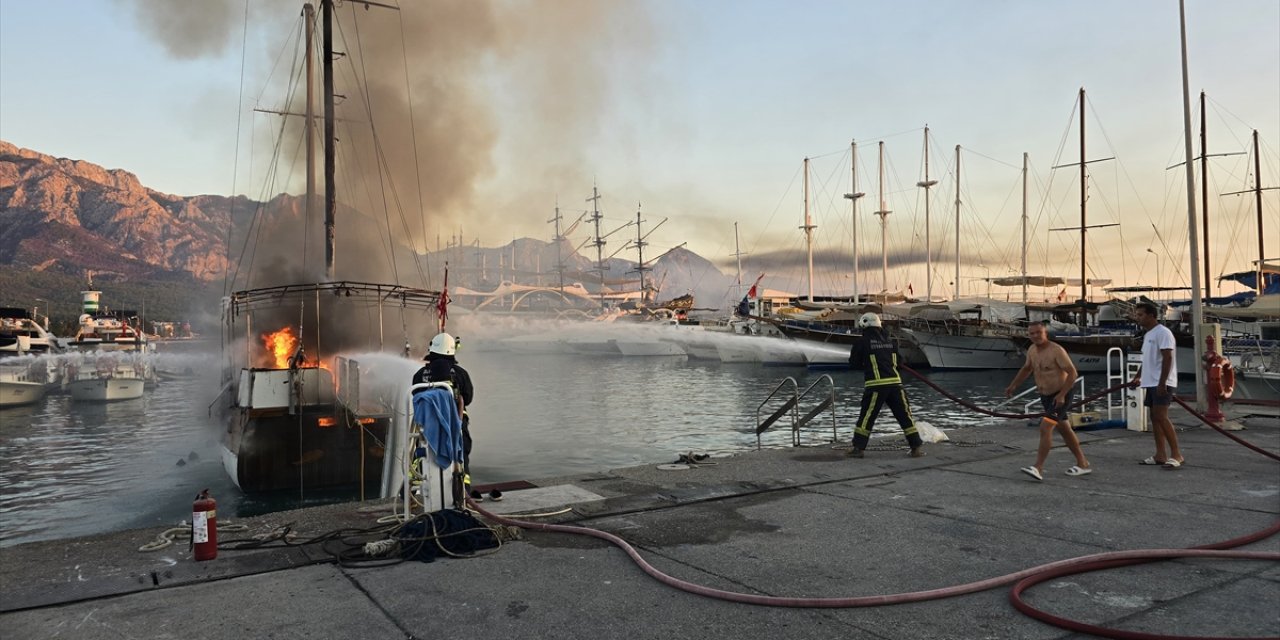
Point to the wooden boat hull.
(324, 447)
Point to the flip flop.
(1172, 464)
(1079, 471)
(1152, 462)
(1033, 472)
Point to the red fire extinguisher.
(204, 527)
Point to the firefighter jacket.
(446, 369)
(877, 356)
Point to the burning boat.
(297, 415)
(301, 414)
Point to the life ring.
(1222, 376)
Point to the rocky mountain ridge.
(71, 216)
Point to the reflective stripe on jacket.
(877, 356)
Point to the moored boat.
(21, 384)
(20, 333)
(105, 380)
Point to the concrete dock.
(804, 522)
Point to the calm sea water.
(70, 469)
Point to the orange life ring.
(1222, 377)
(1228, 378)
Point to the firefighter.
(442, 366)
(876, 354)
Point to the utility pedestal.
(1135, 414)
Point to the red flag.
(1062, 295)
(442, 307)
(752, 292)
(910, 290)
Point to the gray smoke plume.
(457, 78)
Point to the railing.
(1029, 406)
(828, 402)
(789, 405)
(792, 406)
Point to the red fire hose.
(1024, 579)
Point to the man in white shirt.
(1158, 376)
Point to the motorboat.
(22, 383)
(105, 378)
(20, 333)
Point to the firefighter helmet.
(443, 344)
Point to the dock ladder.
(792, 406)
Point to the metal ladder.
(792, 406)
(1033, 404)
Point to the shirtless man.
(1054, 375)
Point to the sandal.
(1033, 472)
(1152, 462)
(1079, 471)
(1172, 464)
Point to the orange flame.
(280, 345)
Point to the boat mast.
(808, 227)
(928, 245)
(599, 241)
(884, 233)
(330, 150)
(737, 253)
(559, 239)
(1084, 190)
(854, 195)
(1197, 304)
(1204, 194)
(309, 12)
(1257, 193)
(640, 243)
(1084, 226)
(956, 287)
(1024, 228)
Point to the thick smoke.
(473, 83)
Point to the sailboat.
(962, 334)
(298, 416)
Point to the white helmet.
(443, 344)
(868, 320)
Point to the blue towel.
(436, 413)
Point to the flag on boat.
(752, 292)
(442, 307)
(1062, 295)
(911, 290)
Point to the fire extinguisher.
(204, 527)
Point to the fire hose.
(1024, 579)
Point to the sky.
(700, 112)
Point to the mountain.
(67, 217)
(73, 216)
